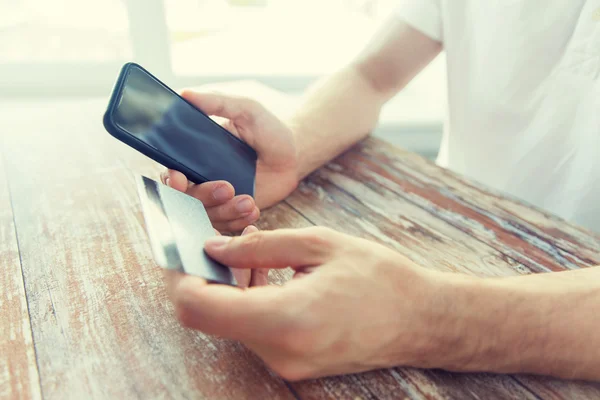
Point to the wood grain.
(18, 370)
(344, 194)
(103, 327)
(423, 238)
(526, 234)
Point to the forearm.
(336, 113)
(344, 108)
(544, 324)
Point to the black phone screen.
(152, 113)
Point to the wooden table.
(84, 310)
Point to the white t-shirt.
(524, 97)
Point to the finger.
(172, 279)
(212, 193)
(238, 207)
(238, 224)
(260, 277)
(243, 277)
(228, 311)
(175, 179)
(221, 105)
(249, 229)
(276, 249)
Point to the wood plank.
(380, 384)
(557, 389)
(521, 232)
(528, 235)
(409, 383)
(410, 225)
(423, 238)
(18, 370)
(103, 326)
(384, 216)
(106, 328)
(279, 216)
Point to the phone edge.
(115, 131)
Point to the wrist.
(300, 171)
(428, 317)
(490, 326)
(453, 340)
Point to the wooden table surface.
(84, 312)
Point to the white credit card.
(177, 226)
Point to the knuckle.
(251, 104)
(252, 242)
(221, 103)
(320, 238)
(215, 214)
(322, 232)
(200, 192)
(250, 108)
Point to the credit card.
(177, 226)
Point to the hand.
(227, 212)
(250, 277)
(354, 305)
(245, 277)
(276, 174)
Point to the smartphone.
(147, 115)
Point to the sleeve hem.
(424, 16)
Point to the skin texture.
(276, 175)
(308, 328)
(318, 131)
(545, 324)
(247, 277)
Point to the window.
(287, 44)
(61, 43)
(60, 47)
(296, 40)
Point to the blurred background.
(74, 48)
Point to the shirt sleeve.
(423, 15)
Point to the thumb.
(296, 248)
(238, 109)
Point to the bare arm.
(544, 324)
(315, 325)
(343, 108)
(335, 114)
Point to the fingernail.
(167, 181)
(217, 242)
(246, 229)
(253, 216)
(221, 194)
(244, 206)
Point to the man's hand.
(354, 305)
(276, 174)
(250, 277)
